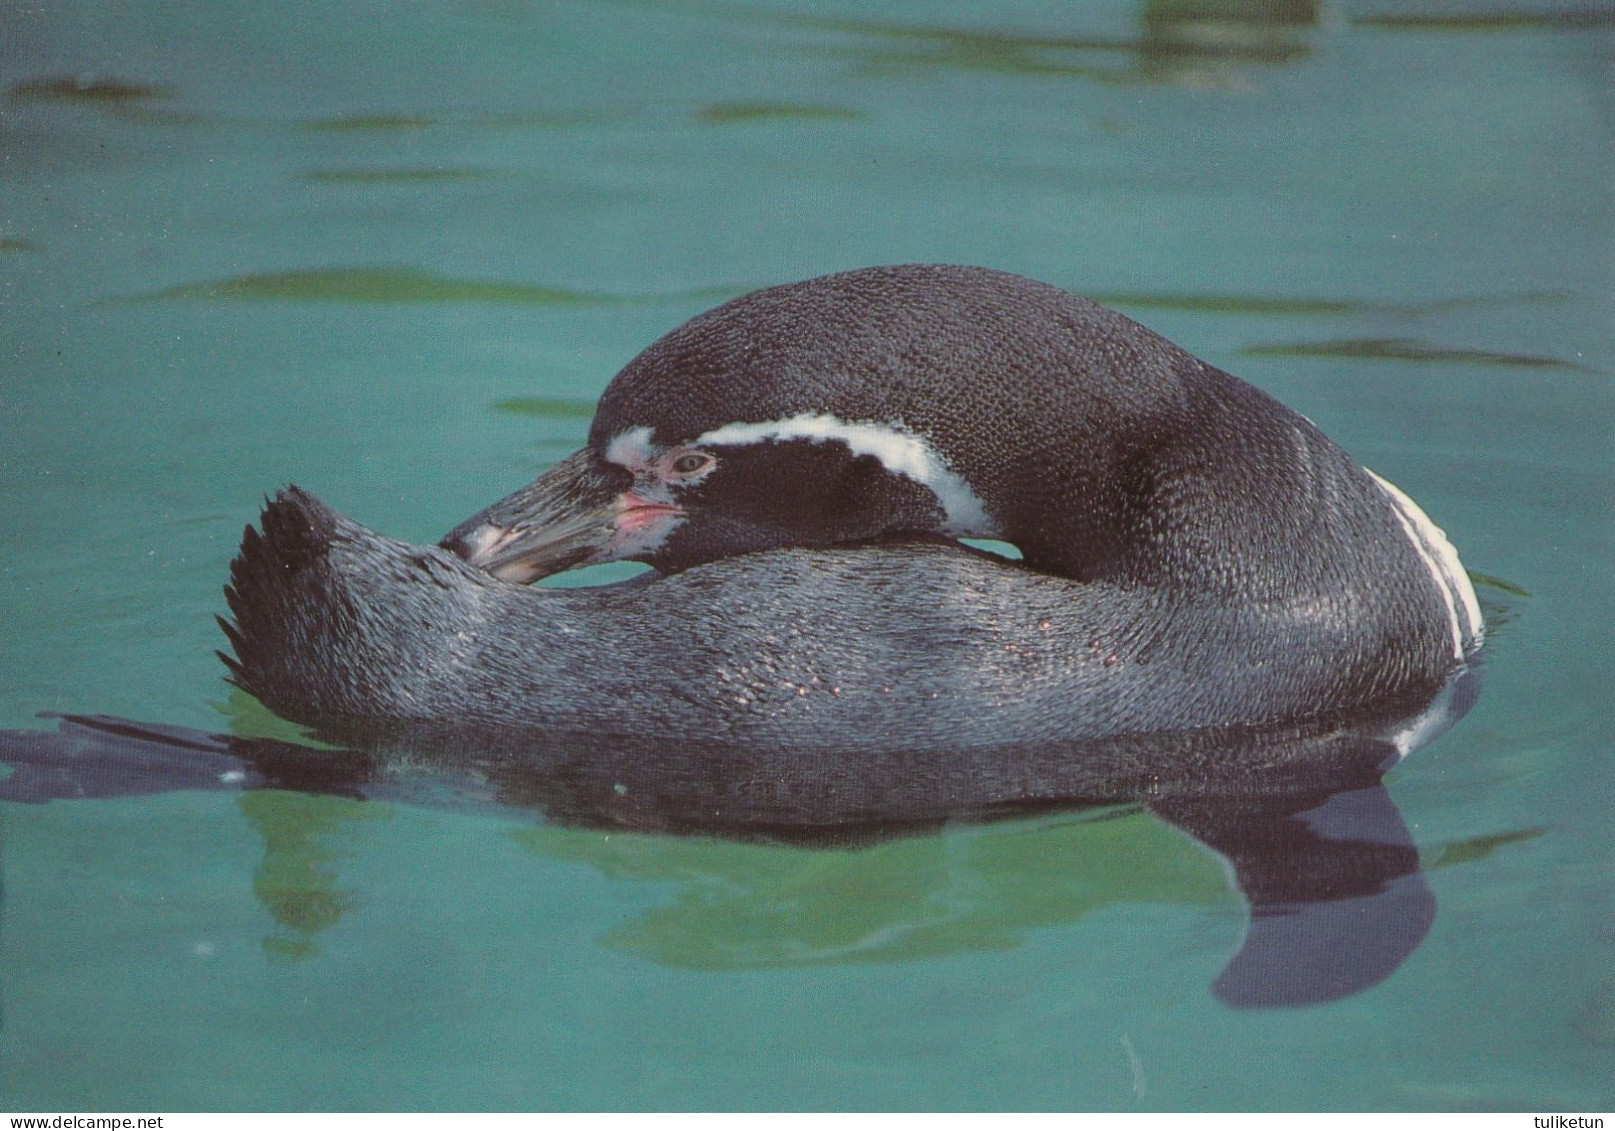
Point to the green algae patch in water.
(369, 123)
(297, 882)
(251, 719)
(1173, 37)
(1232, 304)
(1404, 349)
(399, 285)
(1197, 303)
(88, 91)
(1499, 601)
(1476, 848)
(393, 176)
(729, 113)
(1491, 581)
(546, 408)
(407, 123)
(980, 43)
(895, 46)
(1500, 19)
(747, 906)
(376, 285)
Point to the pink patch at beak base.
(635, 513)
(641, 526)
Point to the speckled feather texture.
(1100, 449)
(910, 645)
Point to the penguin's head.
(882, 402)
(804, 415)
(675, 495)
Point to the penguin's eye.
(692, 462)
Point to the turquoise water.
(393, 255)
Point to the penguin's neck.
(1219, 490)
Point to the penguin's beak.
(578, 512)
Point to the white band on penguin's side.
(1463, 609)
(899, 451)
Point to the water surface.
(387, 257)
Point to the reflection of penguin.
(1315, 844)
(1337, 901)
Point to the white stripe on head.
(631, 449)
(1463, 609)
(899, 451)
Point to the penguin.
(1190, 523)
(1217, 613)
(913, 643)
